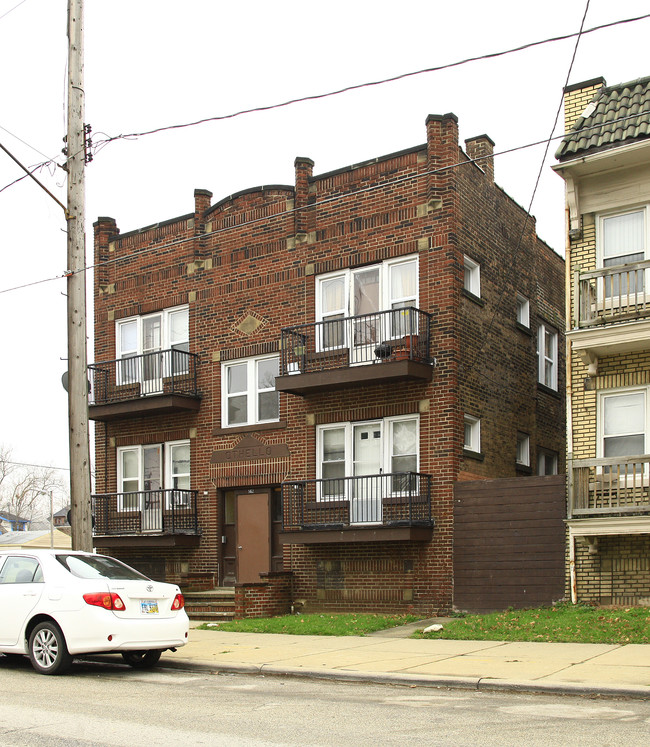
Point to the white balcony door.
(152, 360)
(366, 331)
(367, 460)
(152, 500)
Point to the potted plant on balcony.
(293, 366)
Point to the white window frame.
(600, 234)
(609, 293)
(182, 498)
(472, 276)
(542, 455)
(544, 355)
(166, 449)
(251, 392)
(474, 441)
(385, 425)
(624, 480)
(611, 393)
(523, 310)
(166, 342)
(523, 450)
(386, 300)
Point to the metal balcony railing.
(145, 512)
(162, 372)
(609, 486)
(611, 294)
(391, 499)
(397, 334)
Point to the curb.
(480, 684)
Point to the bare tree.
(25, 490)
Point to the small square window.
(523, 449)
(546, 462)
(547, 356)
(472, 439)
(472, 282)
(523, 310)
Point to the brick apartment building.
(605, 162)
(290, 381)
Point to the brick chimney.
(104, 229)
(202, 199)
(442, 151)
(481, 150)
(576, 98)
(304, 168)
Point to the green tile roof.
(617, 115)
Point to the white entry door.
(367, 453)
(153, 494)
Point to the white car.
(57, 604)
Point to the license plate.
(148, 608)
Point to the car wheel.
(141, 659)
(47, 649)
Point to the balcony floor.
(153, 405)
(357, 534)
(383, 372)
(146, 540)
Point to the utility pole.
(76, 273)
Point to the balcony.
(613, 486)
(161, 382)
(393, 506)
(611, 312)
(382, 347)
(147, 518)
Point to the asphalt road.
(101, 704)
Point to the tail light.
(178, 603)
(106, 599)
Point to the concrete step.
(211, 604)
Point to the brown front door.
(253, 517)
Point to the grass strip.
(314, 624)
(563, 623)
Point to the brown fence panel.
(509, 541)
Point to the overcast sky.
(157, 63)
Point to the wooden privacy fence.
(509, 543)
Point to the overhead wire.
(392, 79)
(515, 253)
(11, 10)
(311, 206)
(100, 144)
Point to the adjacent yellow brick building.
(605, 162)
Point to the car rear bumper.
(110, 633)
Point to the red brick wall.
(257, 254)
(270, 597)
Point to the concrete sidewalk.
(389, 657)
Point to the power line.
(100, 144)
(31, 175)
(11, 10)
(312, 206)
(36, 466)
(508, 275)
(392, 79)
(29, 145)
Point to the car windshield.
(99, 566)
